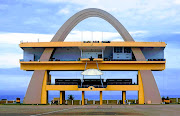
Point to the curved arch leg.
(148, 91)
(33, 93)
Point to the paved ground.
(54, 110)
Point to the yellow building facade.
(57, 55)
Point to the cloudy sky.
(30, 20)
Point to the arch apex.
(86, 13)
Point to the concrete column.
(123, 96)
(82, 97)
(50, 79)
(44, 94)
(177, 100)
(141, 90)
(101, 101)
(135, 101)
(107, 101)
(47, 96)
(62, 97)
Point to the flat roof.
(81, 44)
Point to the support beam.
(82, 97)
(123, 96)
(49, 80)
(103, 65)
(101, 101)
(44, 92)
(141, 90)
(62, 97)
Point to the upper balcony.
(108, 56)
(90, 44)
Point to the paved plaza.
(64, 110)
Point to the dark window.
(99, 55)
(127, 50)
(117, 50)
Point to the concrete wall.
(30, 52)
(153, 53)
(67, 53)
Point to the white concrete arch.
(33, 94)
(84, 14)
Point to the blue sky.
(146, 20)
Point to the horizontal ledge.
(91, 88)
(82, 62)
(103, 65)
(81, 44)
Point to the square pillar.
(62, 97)
(49, 80)
(44, 92)
(82, 97)
(123, 96)
(101, 101)
(141, 90)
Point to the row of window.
(120, 50)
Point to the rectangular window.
(127, 50)
(117, 50)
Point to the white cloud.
(118, 5)
(176, 32)
(177, 1)
(10, 60)
(91, 36)
(139, 33)
(15, 38)
(172, 56)
(63, 11)
(100, 36)
(130, 11)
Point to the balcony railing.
(22, 60)
(95, 86)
